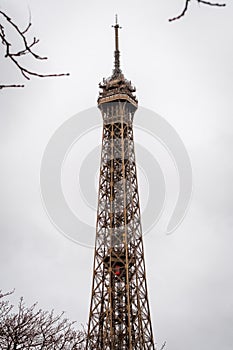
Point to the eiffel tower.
(119, 312)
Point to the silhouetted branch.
(163, 346)
(186, 5)
(11, 86)
(26, 50)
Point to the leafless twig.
(163, 346)
(186, 5)
(10, 86)
(27, 49)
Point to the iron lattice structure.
(119, 312)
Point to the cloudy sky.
(184, 72)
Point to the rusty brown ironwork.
(119, 312)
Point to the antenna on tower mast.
(117, 69)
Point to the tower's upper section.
(117, 87)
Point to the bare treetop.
(34, 329)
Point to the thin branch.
(2, 295)
(163, 346)
(211, 3)
(21, 34)
(10, 86)
(186, 5)
(182, 13)
(27, 49)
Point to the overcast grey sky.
(184, 72)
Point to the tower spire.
(117, 69)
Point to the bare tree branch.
(26, 50)
(10, 86)
(163, 346)
(182, 13)
(186, 5)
